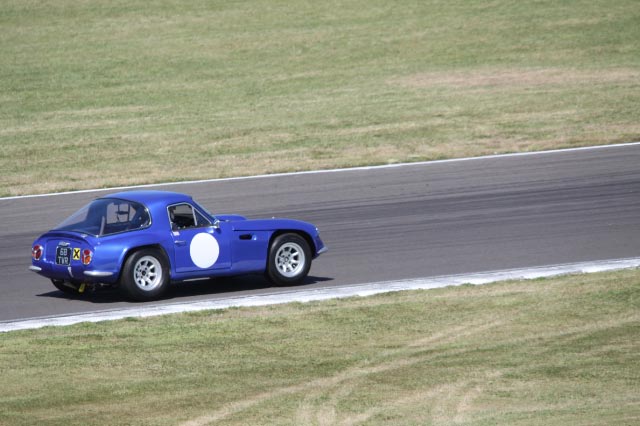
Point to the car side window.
(184, 216)
(121, 215)
(201, 221)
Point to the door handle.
(180, 243)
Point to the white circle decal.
(204, 250)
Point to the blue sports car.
(143, 240)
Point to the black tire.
(66, 287)
(289, 260)
(145, 275)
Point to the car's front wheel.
(289, 260)
(145, 275)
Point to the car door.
(199, 244)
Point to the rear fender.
(126, 254)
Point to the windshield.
(107, 216)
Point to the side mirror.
(216, 224)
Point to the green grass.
(561, 351)
(97, 94)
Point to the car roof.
(149, 198)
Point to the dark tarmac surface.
(413, 221)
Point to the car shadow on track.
(232, 286)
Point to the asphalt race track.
(380, 224)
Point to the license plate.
(63, 255)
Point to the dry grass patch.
(141, 92)
(517, 78)
(554, 351)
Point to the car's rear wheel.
(289, 260)
(145, 275)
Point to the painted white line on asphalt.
(309, 295)
(312, 172)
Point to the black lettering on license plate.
(63, 255)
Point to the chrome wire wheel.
(290, 259)
(147, 273)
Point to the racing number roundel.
(204, 250)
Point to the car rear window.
(106, 216)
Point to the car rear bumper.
(73, 273)
(98, 274)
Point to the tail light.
(87, 255)
(36, 252)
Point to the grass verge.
(559, 351)
(100, 94)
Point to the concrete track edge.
(309, 295)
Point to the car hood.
(271, 225)
(229, 217)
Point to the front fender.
(279, 226)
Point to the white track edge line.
(309, 295)
(310, 172)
